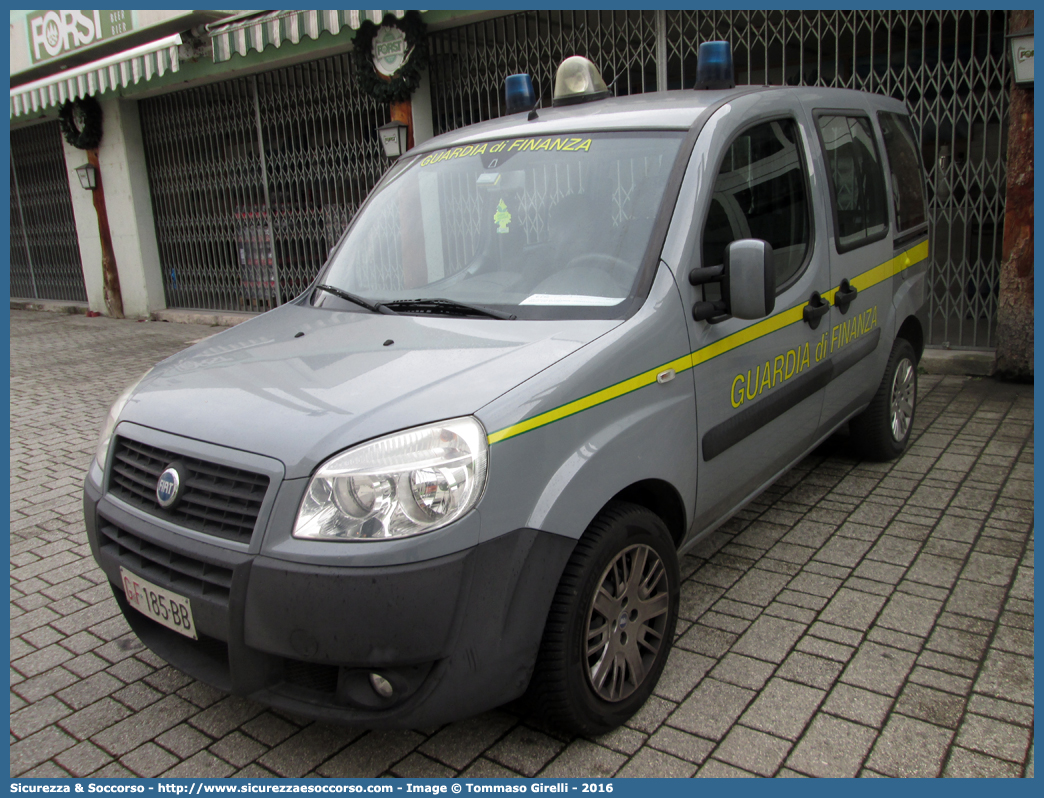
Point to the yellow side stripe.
(586, 402)
(889, 269)
(770, 325)
(748, 334)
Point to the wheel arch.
(912, 331)
(660, 497)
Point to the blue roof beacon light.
(714, 66)
(519, 93)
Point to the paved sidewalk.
(858, 619)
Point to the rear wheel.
(882, 431)
(611, 623)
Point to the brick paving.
(859, 619)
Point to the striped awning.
(276, 27)
(115, 71)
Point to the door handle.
(816, 308)
(844, 295)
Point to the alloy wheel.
(902, 404)
(626, 622)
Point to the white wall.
(121, 158)
(86, 230)
(423, 125)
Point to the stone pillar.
(1015, 311)
(121, 162)
(423, 124)
(86, 230)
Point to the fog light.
(381, 686)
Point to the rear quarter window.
(857, 189)
(905, 173)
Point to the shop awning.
(276, 27)
(115, 71)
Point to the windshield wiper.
(446, 307)
(376, 307)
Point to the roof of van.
(661, 110)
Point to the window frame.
(790, 116)
(903, 237)
(852, 113)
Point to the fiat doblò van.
(551, 352)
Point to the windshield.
(550, 226)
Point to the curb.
(51, 306)
(971, 362)
(177, 315)
(221, 318)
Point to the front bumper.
(454, 635)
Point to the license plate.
(160, 604)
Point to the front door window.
(760, 192)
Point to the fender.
(567, 440)
(654, 440)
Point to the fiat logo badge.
(168, 487)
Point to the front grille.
(217, 500)
(311, 675)
(184, 575)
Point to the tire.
(591, 689)
(882, 431)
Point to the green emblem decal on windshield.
(502, 217)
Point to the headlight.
(404, 484)
(102, 450)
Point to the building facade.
(238, 146)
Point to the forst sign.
(389, 50)
(54, 33)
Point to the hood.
(298, 383)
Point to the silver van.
(550, 353)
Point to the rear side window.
(856, 179)
(904, 168)
(760, 192)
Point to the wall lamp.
(393, 137)
(88, 177)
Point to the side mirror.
(749, 279)
(748, 283)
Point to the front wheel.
(882, 431)
(611, 623)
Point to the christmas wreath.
(405, 81)
(81, 122)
